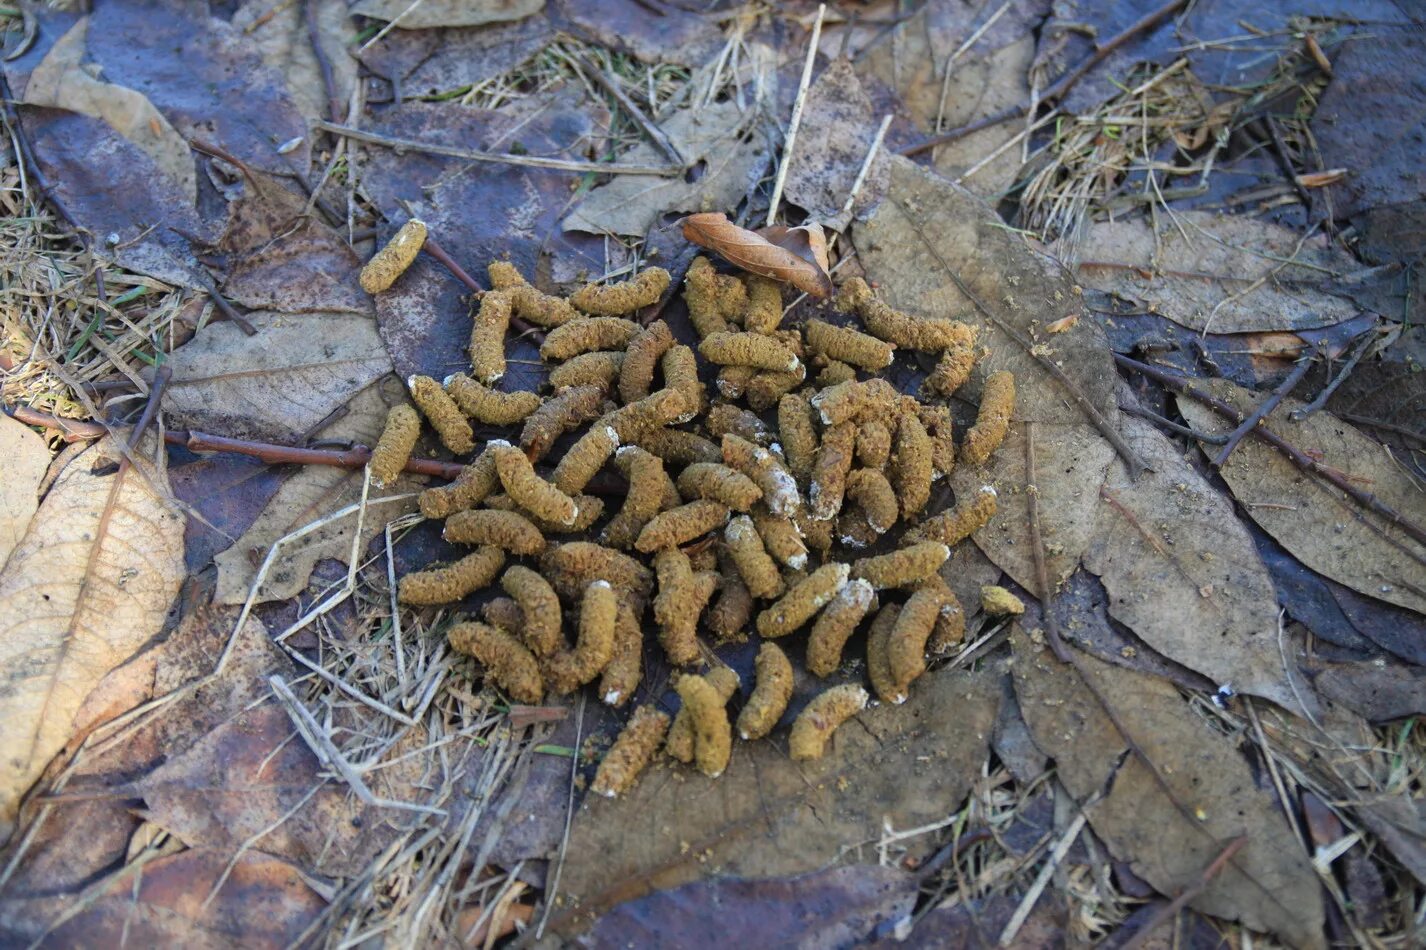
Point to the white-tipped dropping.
(612, 697)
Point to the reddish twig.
(355, 457)
(161, 378)
(1167, 912)
(1184, 386)
(1061, 86)
(1368, 338)
(433, 248)
(1256, 417)
(329, 82)
(1172, 426)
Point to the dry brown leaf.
(838, 127)
(26, 460)
(755, 253)
(807, 241)
(1319, 524)
(89, 583)
(1269, 885)
(416, 16)
(767, 816)
(310, 494)
(280, 34)
(277, 385)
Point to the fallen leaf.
(807, 241)
(979, 923)
(408, 16)
(1320, 525)
(89, 583)
(834, 141)
(1223, 273)
(1182, 572)
(313, 492)
(433, 62)
(768, 816)
(277, 385)
(1269, 885)
(755, 253)
(838, 907)
(675, 34)
(27, 458)
(710, 139)
(1379, 690)
(282, 39)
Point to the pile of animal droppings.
(731, 524)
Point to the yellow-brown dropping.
(638, 419)
(717, 482)
(835, 626)
(392, 260)
(764, 311)
(613, 300)
(952, 369)
(541, 617)
(487, 337)
(506, 660)
(600, 368)
(802, 602)
(393, 449)
(472, 486)
(870, 491)
(903, 567)
(728, 617)
(703, 292)
(992, 420)
(681, 525)
(797, 430)
(568, 409)
(530, 304)
(712, 733)
(906, 647)
(677, 447)
(755, 566)
(487, 405)
(681, 598)
(631, 752)
(778, 486)
(874, 398)
(506, 530)
(584, 459)
(821, 717)
(645, 474)
(626, 667)
(680, 373)
(911, 471)
(749, 349)
(529, 490)
(929, 334)
(446, 585)
(679, 743)
(587, 335)
(848, 346)
(782, 537)
(771, 691)
(443, 414)
(766, 388)
(830, 470)
(568, 670)
(576, 564)
(878, 658)
(954, 525)
(642, 357)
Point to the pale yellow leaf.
(26, 458)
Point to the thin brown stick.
(1167, 912)
(329, 81)
(646, 125)
(1184, 386)
(1172, 426)
(434, 248)
(355, 457)
(1131, 459)
(1061, 86)
(1265, 408)
(1368, 338)
(473, 155)
(160, 382)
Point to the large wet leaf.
(1320, 524)
(90, 583)
(26, 460)
(1269, 885)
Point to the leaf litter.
(1175, 560)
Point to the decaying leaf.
(807, 241)
(281, 36)
(1323, 527)
(408, 16)
(1219, 273)
(26, 460)
(710, 137)
(279, 384)
(678, 34)
(89, 583)
(757, 254)
(838, 127)
(1269, 885)
(767, 816)
(308, 495)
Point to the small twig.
(645, 124)
(568, 819)
(1167, 912)
(1184, 386)
(1061, 86)
(1042, 880)
(231, 313)
(329, 81)
(1131, 459)
(1368, 338)
(1382, 424)
(870, 160)
(161, 377)
(791, 141)
(1037, 548)
(473, 155)
(208, 148)
(1265, 408)
(1172, 426)
(353, 458)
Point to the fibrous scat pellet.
(764, 310)
(581, 562)
(680, 373)
(778, 486)
(442, 412)
(681, 525)
(506, 660)
(766, 388)
(487, 405)
(584, 459)
(835, 626)
(906, 647)
(392, 260)
(803, 601)
(681, 598)
(830, 469)
(642, 357)
(749, 349)
(755, 566)
(717, 482)
(878, 658)
(992, 420)
(782, 536)
(600, 368)
(874, 443)
(507, 530)
(911, 470)
(637, 420)
(929, 334)
(631, 751)
(645, 474)
(952, 369)
(393, 449)
(539, 610)
(679, 743)
(848, 346)
(950, 628)
(872, 493)
(591, 507)
(703, 292)
(771, 691)
(821, 717)
(586, 336)
(568, 670)
(954, 525)
(613, 300)
(487, 337)
(712, 733)
(903, 567)
(472, 486)
(529, 490)
(446, 585)
(797, 430)
(568, 409)
(530, 304)
(728, 616)
(999, 602)
(626, 667)
(678, 447)
(874, 398)
(726, 418)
